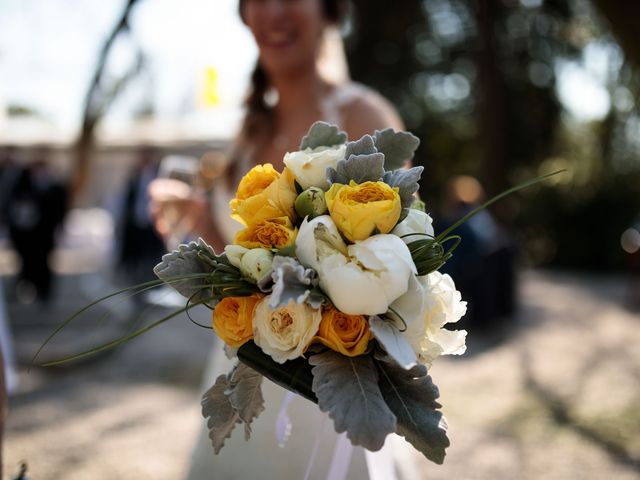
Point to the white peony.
(415, 222)
(309, 166)
(285, 333)
(360, 279)
(431, 302)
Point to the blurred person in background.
(9, 171)
(484, 263)
(34, 209)
(289, 92)
(140, 246)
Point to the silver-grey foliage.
(398, 147)
(392, 340)
(186, 260)
(359, 168)
(293, 281)
(235, 398)
(411, 395)
(347, 388)
(323, 134)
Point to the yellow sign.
(211, 88)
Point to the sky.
(48, 50)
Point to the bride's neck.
(300, 92)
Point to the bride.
(300, 77)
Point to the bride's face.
(288, 32)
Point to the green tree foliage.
(477, 81)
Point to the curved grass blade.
(118, 341)
(493, 200)
(142, 286)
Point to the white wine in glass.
(176, 194)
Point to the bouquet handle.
(294, 375)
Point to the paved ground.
(555, 397)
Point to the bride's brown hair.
(259, 114)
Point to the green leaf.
(347, 388)
(398, 147)
(411, 395)
(395, 344)
(323, 134)
(294, 375)
(220, 412)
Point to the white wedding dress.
(261, 457)
(311, 430)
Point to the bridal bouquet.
(331, 290)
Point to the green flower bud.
(256, 263)
(311, 203)
(419, 205)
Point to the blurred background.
(94, 96)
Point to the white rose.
(415, 222)
(361, 279)
(309, 166)
(285, 332)
(431, 302)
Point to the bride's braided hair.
(259, 114)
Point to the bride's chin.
(283, 64)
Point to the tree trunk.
(94, 107)
(491, 108)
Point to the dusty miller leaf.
(245, 395)
(407, 183)
(185, 260)
(359, 168)
(411, 395)
(365, 146)
(395, 344)
(398, 147)
(292, 281)
(221, 416)
(347, 388)
(235, 398)
(323, 134)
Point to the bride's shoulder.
(364, 110)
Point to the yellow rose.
(264, 194)
(232, 319)
(256, 180)
(275, 233)
(358, 210)
(346, 334)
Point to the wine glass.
(177, 188)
